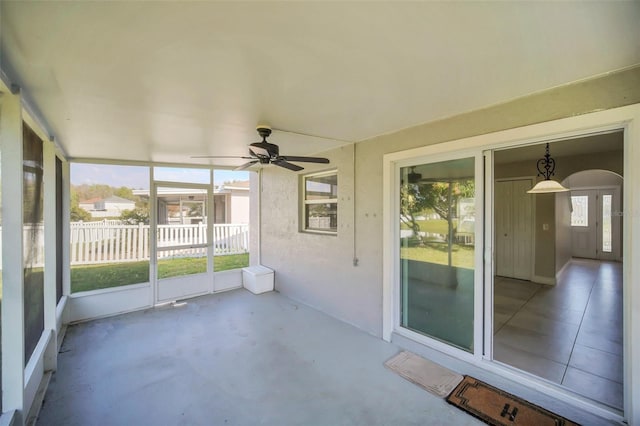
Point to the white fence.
(112, 242)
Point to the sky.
(137, 177)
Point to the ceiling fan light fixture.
(546, 168)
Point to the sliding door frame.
(626, 119)
(430, 155)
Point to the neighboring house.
(89, 204)
(230, 203)
(235, 198)
(107, 207)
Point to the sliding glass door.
(437, 250)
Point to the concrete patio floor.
(233, 359)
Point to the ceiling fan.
(264, 152)
(412, 176)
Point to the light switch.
(545, 226)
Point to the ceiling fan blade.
(280, 162)
(304, 159)
(221, 156)
(245, 165)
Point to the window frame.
(304, 202)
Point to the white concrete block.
(257, 279)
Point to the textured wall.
(318, 269)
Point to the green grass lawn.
(94, 277)
(462, 256)
(436, 226)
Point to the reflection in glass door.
(182, 241)
(437, 250)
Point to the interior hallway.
(233, 359)
(570, 333)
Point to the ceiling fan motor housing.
(264, 150)
(264, 131)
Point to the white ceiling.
(162, 81)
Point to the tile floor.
(570, 333)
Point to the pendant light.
(546, 167)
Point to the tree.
(440, 197)
(412, 202)
(195, 210)
(75, 197)
(79, 214)
(135, 216)
(124, 192)
(86, 192)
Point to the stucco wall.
(318, 269)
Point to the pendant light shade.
(546, 186)
(546, 167)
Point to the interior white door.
(514, 230)
(504, 235)
(522, 229)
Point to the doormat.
(424, 373)
(496, 407)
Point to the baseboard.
(34, 411)
(559, 273)
(61, 334)
(544, 280)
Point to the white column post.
(153, 238)
(50, 254)
(66, 229)
(13, 333)
(209, 236)
(255, 216)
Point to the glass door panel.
(182, 241)
(437, 246)
(608, 229)
(231, 212)
(606, 223)
(179, 262)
